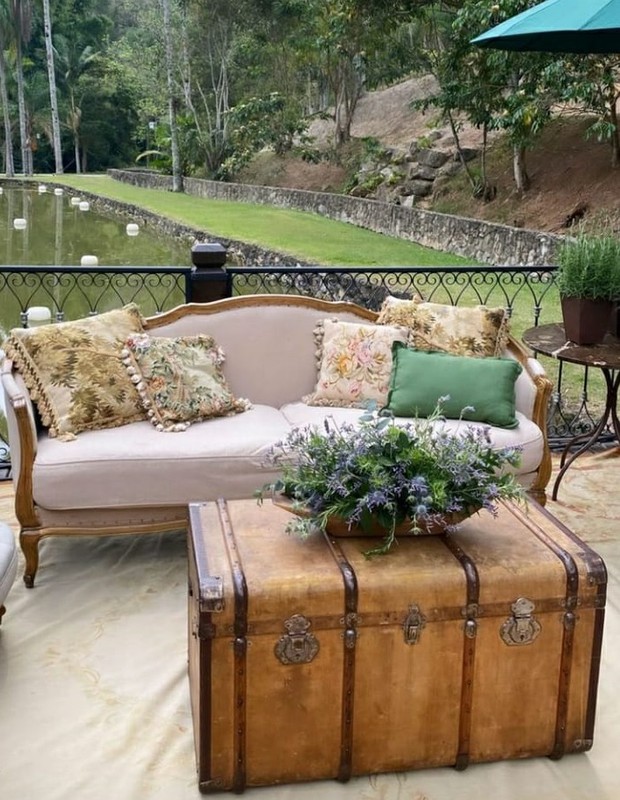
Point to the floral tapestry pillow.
(179, 380)
(354, 363)
(75, 373)
(462, 331)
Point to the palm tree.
(21, 19)
(73, 60)
(51, 76)
(177, 179)
(9, 164)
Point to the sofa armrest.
(533, 395)
(22, 442)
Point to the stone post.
(209, 280)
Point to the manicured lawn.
(309, 237)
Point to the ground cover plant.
(309, 237)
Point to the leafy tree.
(495, 89)
(261, 122)
(74, 60)
(590, 83)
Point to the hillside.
(571, 177)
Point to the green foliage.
(592, 84)
(261, 122)
(391, 474)
(589, 267)
(495, 89)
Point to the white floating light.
(58, 191)
(1, 190)
(75, 201)
(38, 315)
(132, 229)
(83, 205)
(19, 223)
(42, 188)
(89, 261)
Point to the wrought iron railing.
(74, 292)
(528, 293)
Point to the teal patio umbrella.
(559, 26)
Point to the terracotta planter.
(339, 527)
(586, 321)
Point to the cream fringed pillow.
(180, 380)
(74, 371)
(477, 331)
(354, 363)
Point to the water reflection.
(59, 233)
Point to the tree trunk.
(9, 165)
(76, 151)
(615, 137)
(348, 88)
(21, 106)
(177, 178)
(51, 76)
(522, 180)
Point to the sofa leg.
(29, 542)
(540, 495)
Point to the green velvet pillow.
(478, 389)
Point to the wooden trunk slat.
(369, 701)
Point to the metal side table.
(550, 340)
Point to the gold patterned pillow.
(354, 363)
(462, 331)
(74, 371)
(180, 380)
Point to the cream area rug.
(94, 695)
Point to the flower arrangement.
(380, 473)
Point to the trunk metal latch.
(522, 627)
(413, 624)
(298, 646)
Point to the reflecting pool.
(58, 232)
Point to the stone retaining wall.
(474, 239)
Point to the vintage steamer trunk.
(308, 660)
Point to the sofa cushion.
(354, 363)
(460, 330)
(74, 371)
(134, 466)
(476, 389)
(180, 380)
(526, 435)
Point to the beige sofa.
(134, 479)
